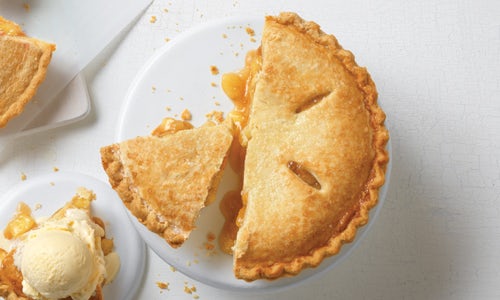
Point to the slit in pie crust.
(315, 141)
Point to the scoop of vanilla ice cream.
(62, 257)
(56, 264)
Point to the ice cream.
(55, 264)
(62, 257)
(65, 255)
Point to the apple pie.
(167, 178)
(23, 66)
(315, 142)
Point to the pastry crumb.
(55, 169)
(173, 269)
(217, 103)
(211, 236)
(165, 10)
(253, 40)
(213, 84)
(216, 116)
(214, 70)
(189, 290)
(186, 115)
(37, 206)
(52, 183)
(168, 108)
(250, 31)
(153, 89)
(152, 19)
(23, 176)
(26, 7)
(224, 36)
(167, 39)
(163, 285)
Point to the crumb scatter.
(186, 115)
(163, 285)
(250, 31)
(214, 70)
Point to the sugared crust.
(166, 181)
(271, 249)
(23, 66)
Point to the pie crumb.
(165, 10)
(55, 169)
(153, 19)
(217, 103)
(167, 39)
(52, 183)
(211, 236)
(189, 290)
(186, 115)
(213, 84)
(224, 36)
(26, 7)
(250, 31)
(216, 116)
(23, 176)
(153, 88)
(173, 269)
(163, 285)
(253, 40)
(37, 206)
(214, 70)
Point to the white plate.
(53, 190)
(181, 70)
(70, 105)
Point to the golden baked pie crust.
(166, 181)
(23, 66)
(314, 107)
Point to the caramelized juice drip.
(169, 126)
(10, 28)
(239, 87)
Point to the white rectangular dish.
(80, 30)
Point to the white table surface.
(436, 65)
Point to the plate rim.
(7, 200)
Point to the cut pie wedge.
(23, 66)
(165, 181)
(315, 150)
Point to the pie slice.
(315, 150)
(165, 181)
(23, 66)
